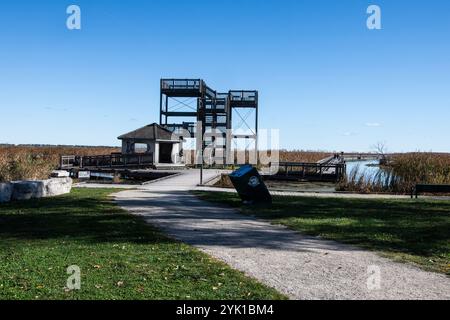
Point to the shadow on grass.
(81, 217)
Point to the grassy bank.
(404, 230)
(120, 256)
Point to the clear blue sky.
(325, 80)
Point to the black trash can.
(250, 186)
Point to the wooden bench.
(430, 188)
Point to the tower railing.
(186, 84)
(243, 95)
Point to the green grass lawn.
(416, 231)
(120, 256)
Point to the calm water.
(365, 168)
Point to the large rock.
(25, 190)
(6, 190)
(56, 187)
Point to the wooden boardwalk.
(107, 161)
(331, 169)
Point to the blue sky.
(325, 80)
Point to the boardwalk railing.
(362, 156)
(107, 161)
(67, 162)
(311, 171)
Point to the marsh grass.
(413, 168)
(284, 156)
(303, 156)
(21, 166)
(30, 163)
(358, 181)
(401, 174)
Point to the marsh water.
(366, 168)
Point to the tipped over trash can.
(250, 186)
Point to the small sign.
(254, 182)
(84, 175)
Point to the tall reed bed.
(303, 156)
(413, 168)
(23, 163)
(284, 156)
(358, 181)
(401, 174)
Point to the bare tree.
(380, 148)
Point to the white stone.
(25, 190)
(60, 174)
(6, 190)
(56, 187)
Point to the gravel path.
(299, 266)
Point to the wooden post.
(116, 178)
(201, 167)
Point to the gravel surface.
(299, 266)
